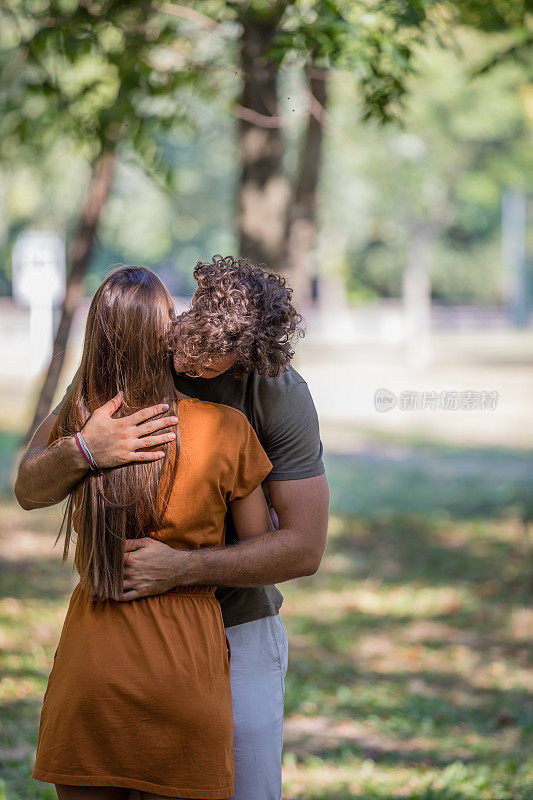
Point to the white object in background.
(39, 282)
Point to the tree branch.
(190, 14)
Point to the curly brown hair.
(240, 309)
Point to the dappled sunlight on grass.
(364, 779)
(410, 663)
(34, 591)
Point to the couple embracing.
(178, 436)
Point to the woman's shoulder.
(227, 416)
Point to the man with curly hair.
(233, 346)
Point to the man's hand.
(47, 474)
(114, 442)
(151, 567)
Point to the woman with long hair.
(139, 693)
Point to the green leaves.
(375, 41)
(95, 67)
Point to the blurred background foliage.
(161, 88)
(119, 80)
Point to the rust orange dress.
(139, 694)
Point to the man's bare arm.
(47, 474)
(293, 551)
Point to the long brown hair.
(126, 349)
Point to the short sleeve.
(292, 437)
(252, 464)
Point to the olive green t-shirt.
(282, 413)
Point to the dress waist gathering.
(192, 591)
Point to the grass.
(409, 675)
(410, 650)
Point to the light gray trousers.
(259, 657)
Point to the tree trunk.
(264, 192)
(302, 221)
(80, 256)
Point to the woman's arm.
(251, 516)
